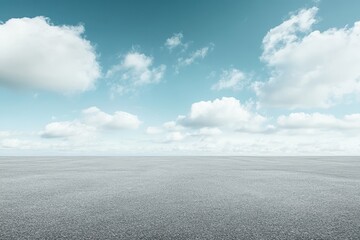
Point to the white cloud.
(209, 119)
(172, 126)
(175, 137)
(298, 134)
(135, 70)
(310, 68)
(93, 119)
(39, 55)
(11, 143)
(171, 132)
(16, 143)
(174, 41)
(301, 120)
(119, 120)
(224, 112)
(194, 56)
(153, 130)
(208, 131)
(287, 32)
(66, 129)
(285, 141)
(4, 134)
(230, 79)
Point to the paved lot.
(180, 198)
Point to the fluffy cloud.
(303, 120)
(194, 56)
(93, 119)
(174, 41)
(287, 32)
(298, 134)
(175, 137)
(153, 130)
(310, 68)
(135, 70)
(4, 134)
(230, 79)
(39, 55)
(172, 126)
(66, 129)
(119, 120)
(224, 112)
(14, 143)
(208, 131)
(210, 119)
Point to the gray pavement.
(179, 197)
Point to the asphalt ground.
(180, 198)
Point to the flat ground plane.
(180, 198)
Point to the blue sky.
(179, 77)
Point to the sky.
(164, 77)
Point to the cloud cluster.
(174, 41)
(4, 134)
(230, 79)
(119, 120)
(153, 130)
(220, 121)
(174, 137)
(287, 32)
(210, 119)
(135, 70)
(207, 131)
(310, 68)
(307, 68)
(67, 129)
(93, 120)
(294, 134)
(36, 54)
(301, 120)
(224, 112)
(195, 56)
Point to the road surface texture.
(180, 198)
